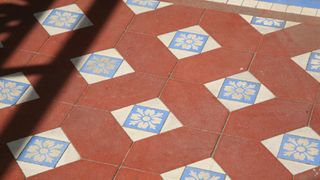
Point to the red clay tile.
(18, 59)
(315, 118)
(211, 66)
(80, 170)
(9, 169)
(126, 173)
(313, 174)
(170, 150)
(243, 159)
(122, 91)
(284, 78)
(96, 135)
(167, 19)
(146, 54)
(194, 106)
(268, 119)
(230, 30)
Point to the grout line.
(121, 164)
(98, 162)
(168, 79)
(313, 107)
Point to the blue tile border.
(313, 64)
(301, 3)
(152, 4)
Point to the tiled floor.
(143, 89)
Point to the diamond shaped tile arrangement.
(15, 89)
(63, 19)
(310, 62)
(267, 25)
(204, 169)
(146, 119)
(102, 65)
(43, 152)
(297, 150)
(239, 91)
(188, 42)
(142, 6)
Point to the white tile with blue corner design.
(15, 89)
(63, 19)
(267, 25)
(146, 119)
(204, 169)
(102, 65)
(239, 91)
(142, 6)
(188, 42)
(297, 150)
(310, 62)
(43, 152)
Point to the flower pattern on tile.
(152, 4)
(192, 173)
(63, 19)
(43, 151)
(314, 62)
(11, 91)
(188, 41)
(239, 90)
(146, 119)
(101, 65)
(300, 149)
(268, 22)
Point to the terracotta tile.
(18, 59)
(244, 159)
(122, 91)
(212, 65)
(9, 169)
(146, 54)
(165, 20)
(230, 30)
(125, 173)
(315, 118)
(284, 78)
(194, 106)
(80, 170)
(170, 150)
(96, 135)
(312, 174)
(268, 119)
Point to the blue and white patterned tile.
(146, 119)
(207, 169)
(63, 19)
(239, 91)
(43, 152)
(15, 89)
(267, 25)
(142, 6)
(297, 150)
(188, 42)
(102, 65)
(310, 62)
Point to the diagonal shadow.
(15, 120)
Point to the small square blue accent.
(11, 91)
(62, 19)
(187, 41)
(197, 173)
(314, 62)
(275, 23)
(152, 4)
(239, 90)
(146, 119)
(43, 151)
(300, 149)
(101, 65)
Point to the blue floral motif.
(239, 90)
(192, 173)
(300, 149)
(63, 19)
(11, 91)
(43, 151)
(152, 4)
(269, 22)
(188, 41)
(101, 65)
(146, 119)
(314, 62)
